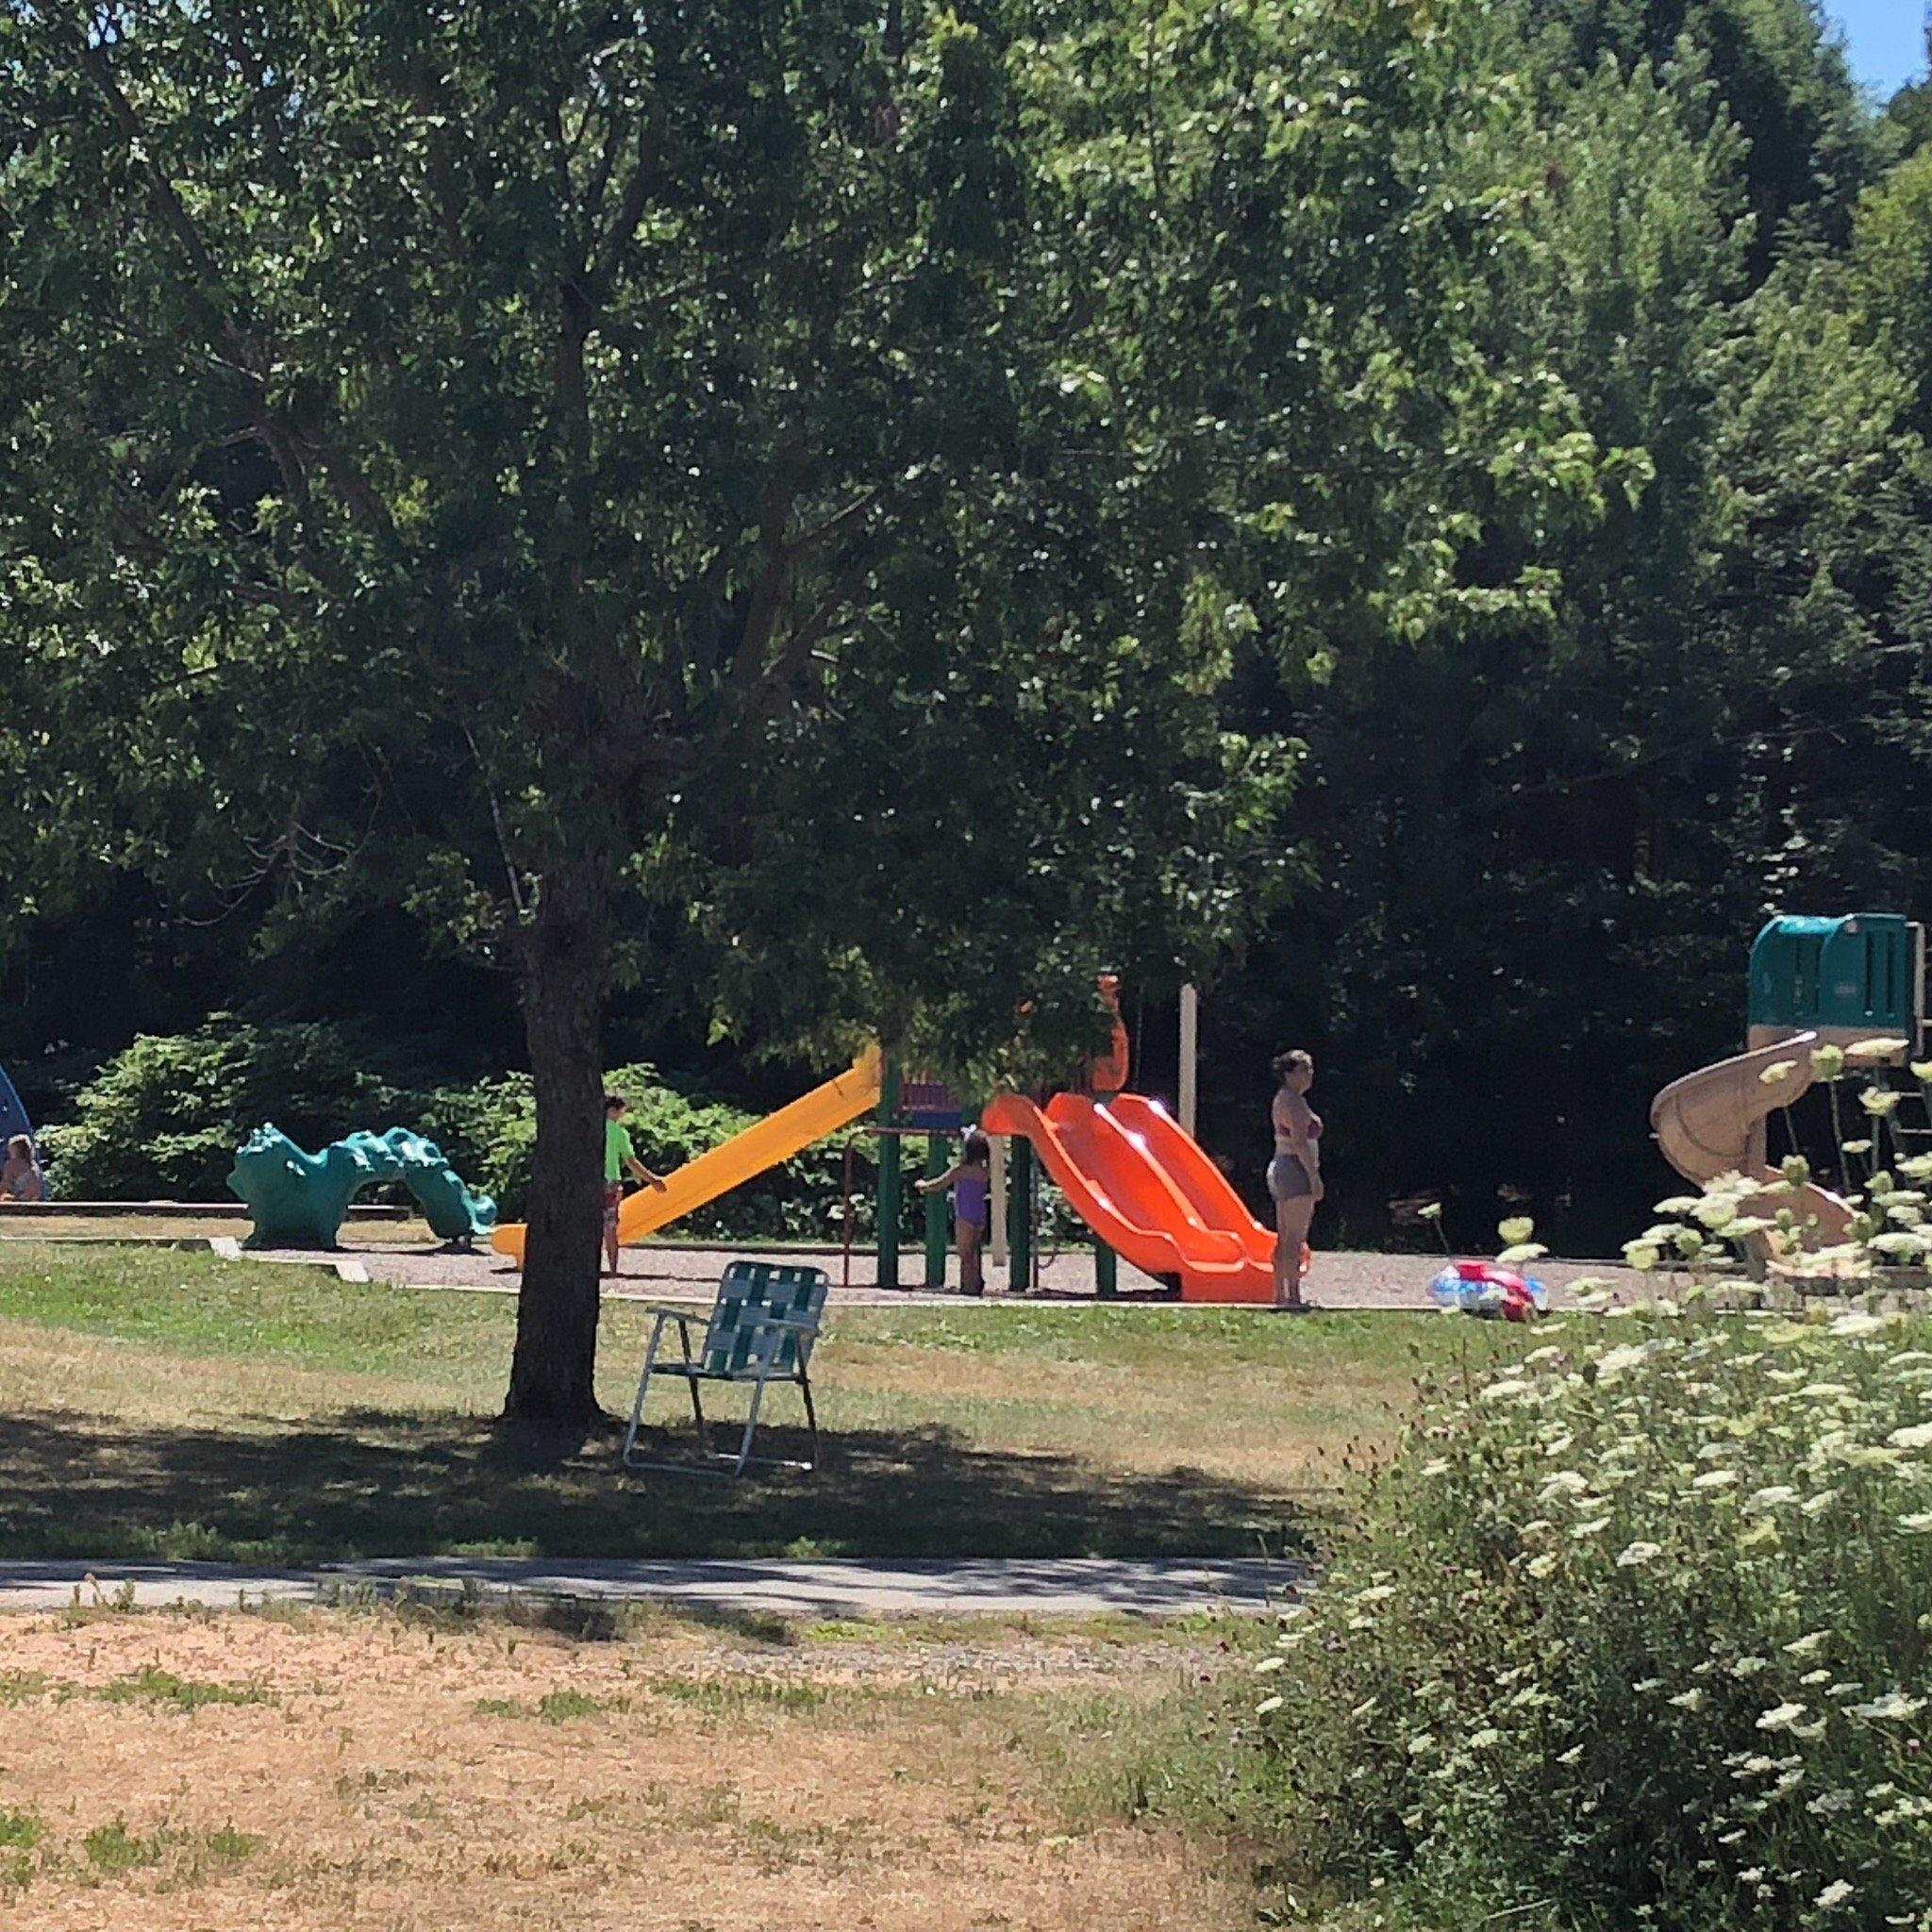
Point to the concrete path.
(1052, 1586)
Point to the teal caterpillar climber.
(298, 1200)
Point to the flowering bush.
(1636, 1633)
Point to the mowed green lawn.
(171, 1404)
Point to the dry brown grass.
(409, 1232)
(129, 1388)
(385, 1774)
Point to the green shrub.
(1635, 1634)
(162, 1120)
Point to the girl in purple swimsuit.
(971, 1180)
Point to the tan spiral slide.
(1713, 1122)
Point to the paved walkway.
(974, 1586)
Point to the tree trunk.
(551, 1376)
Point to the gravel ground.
(1340, 1280)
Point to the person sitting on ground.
(20, 1178)
(971, 1180)
(619, 1154)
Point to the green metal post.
(936, 1161)
(888, 1180)
(1106, 1271)
(1019, 1215)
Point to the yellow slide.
(775, 1138)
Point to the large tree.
(704, 493)
(764, 499)
(487, 457)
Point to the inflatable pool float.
(1482, 1288)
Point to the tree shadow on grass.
(376, 1483)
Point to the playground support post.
(936, 1164)
(888, 1179)
(1191, 1057)
(1107, 1279)
(1020, 1218)
(996, 1246)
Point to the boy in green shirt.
(618, 1154)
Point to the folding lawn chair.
(760, 1329)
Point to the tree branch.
(804, 636)
(630, 210)
(284, 442)
(768, 588)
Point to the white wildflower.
(1893, 1706)
(1857, 1323)
(1632, 1556)
(1872, 1052)
(1781, 1717)
(1613, 1361)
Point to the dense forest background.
(1530, 852)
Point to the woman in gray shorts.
(1294, 1175)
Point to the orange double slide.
(1148, 1191)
